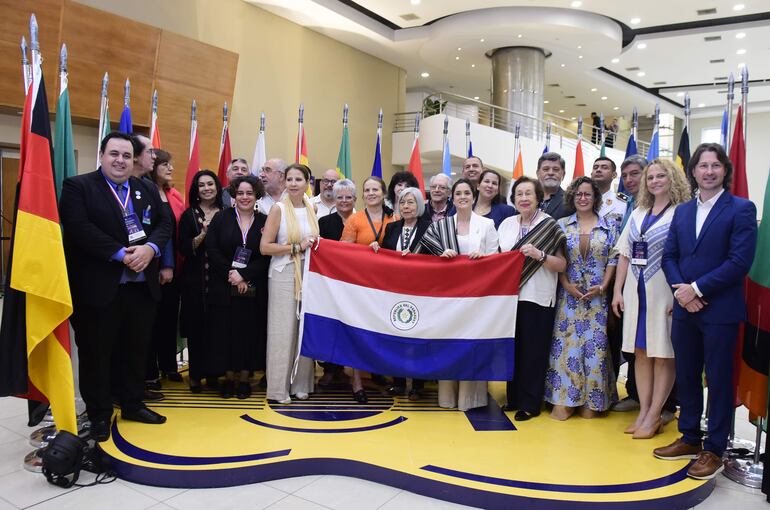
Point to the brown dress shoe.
(706, 467)
(678, 450)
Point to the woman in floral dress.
(580, 367)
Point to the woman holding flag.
(291, 229)
(465, 233)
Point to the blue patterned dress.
(580, 366)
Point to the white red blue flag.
(416, 316)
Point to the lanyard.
(406, 241)
(244, 233)
(522, 231)
(123, 204)
(650, 220)
(371, 225)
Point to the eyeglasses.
(328, 181)
(266, 170)
(581, 194)
(439, 187)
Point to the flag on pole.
(225, 154)
(603, 150)
(300, 155)
(377, 164)
(446, 156)
(518, 164)
(468, 140)
(630, 151)
(654, 150)
(126, 125)
(579, 170)
(740, 186)
(344, 168)
(154, 132)
(64, 150)
(393, 315)
(260, 152)
(755, 359)
(194, 163)
(723, 129)
(415, 160)
(683, 152)
(104, 117)
(518, 168)
(38, 272)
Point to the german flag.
(38, 272)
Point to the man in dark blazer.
(550, 173)
(708, 252)
(113, 228)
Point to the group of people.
(655, 273)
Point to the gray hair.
(344, 185)
(417, 194)
(551, 156)
(281, 165)
(449, 179)
(634, 159)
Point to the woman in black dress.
(238, 287)
(205, 199)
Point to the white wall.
(757, 150)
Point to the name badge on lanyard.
(130, 220)
(639, 253)
(242, 254)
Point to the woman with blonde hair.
(644, 296)
(291, 229)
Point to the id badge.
(241, 258)
(133, 228)
(639, 253)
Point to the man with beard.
(272, 176)
(550, 173)
(324, 202)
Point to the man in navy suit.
(113, 227)
(708, 252)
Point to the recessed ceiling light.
(741, 51)
(457, 57)
(641, 46)
(519, 36)
(573, 118)
(564, 65)
(481, 40)
(580, 47)
(594, 89)
(635, 21)
(640, 74)
(425, 74)
(476, 98)
(615, 60)
(576, 3)
(616, 108)
(740, 35)
(459, 49)
(680, 94)
(580, 57)
(742, 64)
(416, 2)
(738, 7)
(546, 101)
(473, 65)
(701, 105)
(604, 98)
(561, 111)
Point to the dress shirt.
(701, 213)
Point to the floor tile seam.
(6, 501)
(399, 491)
(311, 501)
(74, 489)
(120, 481)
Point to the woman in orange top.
(368, 227)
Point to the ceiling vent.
(659, 83)
(581, 104)
(706, 12)
(410, 16)
(569, 97)
(635, 68)
(553, 84)
(712, 38)
(717, 61)
(720, 78)
(721, 91)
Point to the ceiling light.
(615, 60)
(459, 49)
(481, 40)
(604, 98)
(640, 74)
(701, 105)
(680, 94)
(616, 108)
(635, 21)
(741, 51)
(580, 57)
(594, 89)
(742, 65)
(738, 7)
(573, 118)
(740, 35)
(476, 98)
(457, 57)
(519, 36)
(546, 101)
(473, 65)
(564, 65)
(580, 47)
(576, 3)
(561, 111)
(425, 74)
(415, 2)
(641, 46)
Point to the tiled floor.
(21, 489)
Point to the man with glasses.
(439, 206)
(324, 202)
(144, 156)
(237, 168)
(708, 252)
(272, 176)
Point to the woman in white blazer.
(465, 233)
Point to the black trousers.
(534, 330)
(161, 354)
(122, 327)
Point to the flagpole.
(224, 130)
(656, 123)
(687, 111)
(516, 132)
(300, 120)
(154, 115)
(102, 115)
(745, 102)
(26, 68)
(730, 97)
(580, 128)
(548, 135)
(635, 123)
(601, 129)
(467, 135)
(262, 122)
(127, 93)
(446, 130)
(193, 124)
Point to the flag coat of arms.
(419, 316)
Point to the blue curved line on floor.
(328, 415)
(177, 460)
(391, 423)
(229, 477)
(663, 481)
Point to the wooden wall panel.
(98, 41)
(14, 22)
(212, 68)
